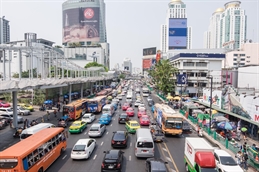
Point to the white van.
(34, 129)
(144, 146)
(129, 98)
(108, 109)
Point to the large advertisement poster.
(146, 63)
(149, 51)
(251, 105)
(94, 54)
(216, 97)
(81, 25)
(177, 32)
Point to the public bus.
(35, 153)
(145, 92)
(168, 120)
(75, 109)
(105, 92)
(95, 105)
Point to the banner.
(158, 55)
(182, 79)
(177, 33)
(146, 63)
(216, 97)
(149, 51)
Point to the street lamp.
(211, 81)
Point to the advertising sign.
(177, 32)
(182, 79)
(216, 97)
(158, 55)
(251, 105)
(146, 63)
(149, 51)
(94, 54)
(81, 24)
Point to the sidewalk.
(220, 145)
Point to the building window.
(190, 84)
(242, 59)
(234, 64)
(188, 63)
(248, 61)
(235, 59)
(201, 64)
(235, 54)
(242, 64)
(242, 55)
(248, 57)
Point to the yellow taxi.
(77, 127)
(132, 126)
(26, 106)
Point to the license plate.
(144, 151)
(118, 143)
(110, 166)
(123, 119)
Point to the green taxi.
(132, 126)
(77, 127)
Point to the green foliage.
(7, 97)
(74, 44)
(95, 64)
(39, 97)
(162, 76)
(122, 76)
(58, 46)
(26, 74)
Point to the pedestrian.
(42, 119)
(244, 147)
(244, 135)
(55, 113)
(48, 115)
(244, 160)
(239, 157)
(25, 124)
(258, 133)
(11, 124)
(238, 134)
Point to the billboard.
(94, 54)
(149, 51)
(177, 33)
(81, 24)
(251, 105)
(158, 55)
(216, 97)
(146, 63)
(182, 79)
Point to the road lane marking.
(168, 159)
(85, 133)
(130, 144)
(171, 158)
(129, 158)
(172, 170)
(111, 125)
(101, 143)
(64, 157)
(107, 132)
(94, 157)
(164, 149)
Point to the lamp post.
(211, 81)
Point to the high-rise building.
(227, 27)
(127, 65)
(170, 40)
(4, 30)
(84, 22)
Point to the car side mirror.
(114, 132)
(166, 162)
(104, 151)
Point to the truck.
(199, 155)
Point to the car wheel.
(81, 130)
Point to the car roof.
(104, 114)
(82, 141)
(157, 164)
(96, 125)
(221, 152)
(133, 121)
(77, 122)
(112, 154)
(130, 108)
(88, 114)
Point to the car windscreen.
(24, 136)
(86, 117)
(227, 160)
(208, 170)
(8, 164)
(92, 103)
(79, 148)
(119, 136)
(94, 129)
(144, 118)
(123, 116)
(145, 145)
(135, 125)
(76, 124)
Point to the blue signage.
(197, 55)
(177, 32)
(182, 79)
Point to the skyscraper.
(4, 30)
(84, 22)
(227, 27)
(176, 10)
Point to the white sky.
(131, 24)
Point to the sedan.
(132, 126)
(137, 103)
(144, 120)
(154, 164)
(27, 106)
(97, 130)
(125, 106)
(115, 105)
(123, 118)
(141, 112)
(4, 104)
(130, 112)
(22, 111)
(119, 97)
(151, 103)
(88, 118)
(105, 119)
(119, 139)
(112, 160)
(10, 118)
(77, 127)
(149, 98)
(83, 149)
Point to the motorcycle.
(18, 132)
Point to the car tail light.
(118, 165)
(113, 141)
(102, 165)
(153, 150)
(124, 142)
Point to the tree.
(162, 75)
(26, 74)
(122, 76)
(95, 64)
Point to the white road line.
(94, 157)
(129, 158)
(85, 133)
(164, 149)
(107, 132)
(64, 157)
(113, 119)
(172, 170)
(101, 143)
(130, 144)
(168, 159)
(111, 125)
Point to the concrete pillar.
(4, 70)
(9, 62)
(69, 92)
(15, 121)
(82, 90)
(20, 64)
(61, 94)
(91, 88)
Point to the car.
(77, 127)
(114, 94)
(149, 98)
(6, 111)
(112, 161)
(130, 112)
(116, 100)
(21, 111)
(88, 118)
(119, 97)
(83, 149)
(137, 102)
(187, 127)
(132, 126)
(156, 164)
(122, 93)
(105, 119)
(153, 109)
(141, 112)
(4, 104)
(115, 105)
(27, 106)
(9, 118)
(4, 121)
(125, 106)
(62, 123)
(225, 162)
(123, 118)
(144, 120)
(151, 103)
(96, 130)
(119, 139)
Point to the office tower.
(4, 30)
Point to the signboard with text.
(216, 97)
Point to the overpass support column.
(69, 93)
(15, 122)
(61, 94)
(91, 88)
(82, 90)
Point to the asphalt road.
(171, 150)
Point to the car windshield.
(76, 124)
(126, 104)
(142, 111)
(79, 148)
(94, 129)
(119, 136)
(9, 110)
(134, 124)
(145, 118)
(227, 160)
(129, 110)
(103, 116)
(92, 103)
(86, 117)
(21, 108)
(106, 110)
(68, 109)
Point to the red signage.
(146, 63)
(189, 148)
(89, 13)
(158, 55)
